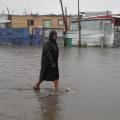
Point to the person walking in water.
(49, 63)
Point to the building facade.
(30, 21)
(4, 21)
(97, 29)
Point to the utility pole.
(8, 11)
(66, 17)
(64, 20)
(79, 26)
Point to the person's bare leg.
(56, 84)
(37, 85)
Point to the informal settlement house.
(30, 21)
(97, 29)
(4, 21)
(30, 29)
(117, 29)
(40, 25)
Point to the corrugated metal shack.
(4, 21)
(117, 30)
(95, 31)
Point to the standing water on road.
(89, 78)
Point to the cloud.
(53, 6)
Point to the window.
(60, 22)
(47, 23)
(30, 22)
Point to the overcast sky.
(53, 6)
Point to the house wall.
(18, 21)
(2, 25)
(94, 33)
(3, 17)
(117, 37)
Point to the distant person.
(49, 63)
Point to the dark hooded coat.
(49, 63)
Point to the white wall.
(93, 33)
(2, 25)
(3, 17)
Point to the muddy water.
(92, 77)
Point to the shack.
(95, 31)
(117, 30)
(4, 21)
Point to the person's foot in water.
(36, 88)
(37, 85)
(56, 83)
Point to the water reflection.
(49, 105)
(93, 73)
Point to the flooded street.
(92, 76)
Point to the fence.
(15, 36)
(6, 36)
(37, 36)
(21, 36)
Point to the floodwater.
(91, 76)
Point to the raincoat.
(49, 63)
